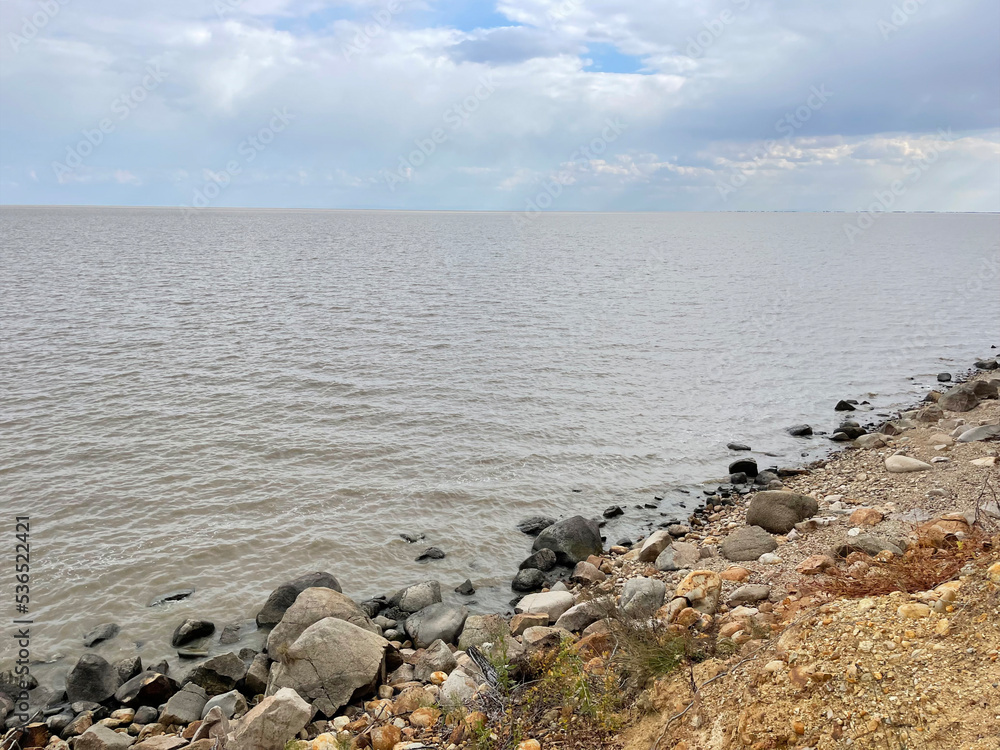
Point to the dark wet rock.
(844, 406)
(219, 674)
(573, 540)
(101, 633)
(625, 542)
(746, 466)
(747, 543)
(987, 364)
(527, 580)
(738, 478)
(147, 689)
(466, 588)
(431, 553)
(191, 630)
(961, 398)
(162, 666)
(840, 437)
(412, 538)
(800, 430)
(170, 596)
(544, 560)
(944, 377)
(852, 429)
(614, 511)
(534, 525)
(778, 512)
(92, 679)
(127, 668)
(283, 596)
(738, 447)
(56, 723)
(234, 631)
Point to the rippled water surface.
(226, 399)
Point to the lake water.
(229, 398)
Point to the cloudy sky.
(563, 104)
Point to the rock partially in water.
(171, 596)
(844, 406)
(738, 447)
(746, 466)
(416, 597)
(534, 525)
(101, 633)
(191, 630)
(800, 430)
(987, 364)
(544, 560)
(431, 553)
(127, 668)
(466, 588)
(572, 540)
(527, 580)
(283, 596)
(92, 679)
(614, 511)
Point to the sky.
(568, 105)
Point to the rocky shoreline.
(404, 671)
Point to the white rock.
(769, 558)
(552, 603)
(904, 465)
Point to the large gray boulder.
(274, 721)
(481, 629)
(93, 679)
(332, 663)
(437, 622)
(960, 398)
(641, 597)
(778, 511)
(311, 606)
(185, 706)
(572, 540)
(416, 597)
(285, 595)
(747, 543)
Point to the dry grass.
(922, 567)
